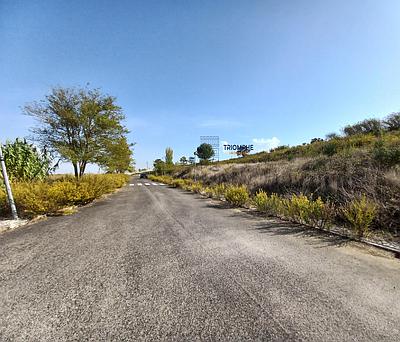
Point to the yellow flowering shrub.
(359, 214)
(237, 195)
(54, 194)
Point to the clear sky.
(263, 72)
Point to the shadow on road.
(275, 226)
(321, 238)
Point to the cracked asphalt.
(151, 263)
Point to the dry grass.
(338, 179)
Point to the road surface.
(153, 263)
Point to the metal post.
(194, 169)
(8, 187)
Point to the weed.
(237, 195)
(301, 209)
(360, 213)
(261, 201)
(196, 187)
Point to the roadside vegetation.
(297, 208)
(37, 192)
(80, 126)
(58, 195)
(350, 179)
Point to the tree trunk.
(82, 168)
(76, 169)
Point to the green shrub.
(329, 148)
(387, 155)
(261, 201)
(3, 202)
(64, 192)
(162, 179)
(359, 214)
(277, 205)
(33, 198)
(297, 208)
(272, 205)
(178, 183)
(237, 195)
(209, 191)
(196, 187)
(301, 209)
(215, 191)
(187, 184)
(219, 190)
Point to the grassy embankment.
(352, 180)
(58, 193)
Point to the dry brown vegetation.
(339, 179)
(357, 174)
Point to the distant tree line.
(375, 126)
(161, 167)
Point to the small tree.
(169, 156)
(159, 166)
(169, 160)
(331, 136)
(314, 140)
(392, 122)
(205, 152)
(183, 160)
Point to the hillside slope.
(339, 169)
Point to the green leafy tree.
(79, 125)
(205, 152)
(331, 136)
(169, 160)
(169, 156)
(183, 160)
(314, 140)
(159, 166)
(117, 157)
(24, 162)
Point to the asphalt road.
(154, 263)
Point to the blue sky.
(281, 72)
